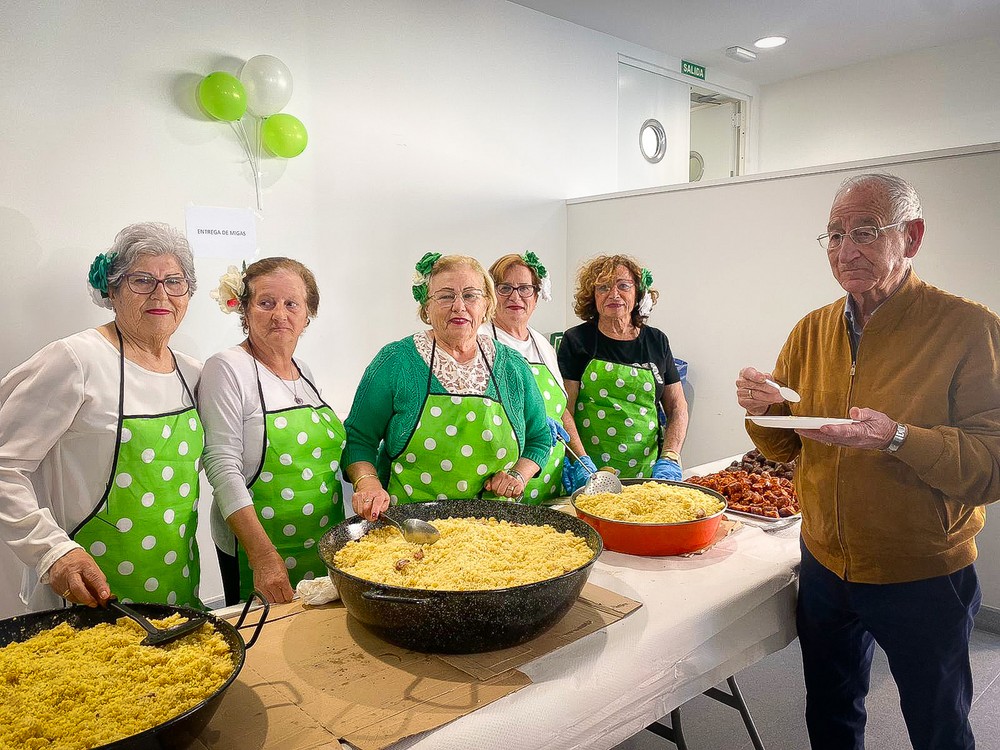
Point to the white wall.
(936, 98)
(737, 265)
(448, 125)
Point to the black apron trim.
(265, 412)
(118, 430)
(430, 380)
(534, 343)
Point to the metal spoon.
(414, 530)
(600, 481)
(157, 636)
(784, 391)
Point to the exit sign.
(692, 69)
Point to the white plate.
(798, 423)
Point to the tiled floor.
(774, 692)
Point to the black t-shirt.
(651, 349)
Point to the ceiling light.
(769, 42)
(741, 54)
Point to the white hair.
(146, 238)
(904, 203)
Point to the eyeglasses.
(622, 286)
(858, 235)
(469, 297)
(143, 283)
(524, 290)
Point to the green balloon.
(222, 96)
(284, 135)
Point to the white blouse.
(534, 347)
(58, 425)
(230, 409)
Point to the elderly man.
(892, 501)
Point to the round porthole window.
(652, 141)
(697, 167)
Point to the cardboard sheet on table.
(316, 676)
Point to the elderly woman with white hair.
(100, 442)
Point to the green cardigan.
(391, 394)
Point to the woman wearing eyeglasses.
(618, 371)
(100, 442)
(445, 413)
(520, 281)
(273, 445)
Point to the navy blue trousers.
(923, 627)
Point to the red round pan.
(655, 539)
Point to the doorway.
(717, 135)
(671, 131)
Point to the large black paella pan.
(174, 733)
(460, 622)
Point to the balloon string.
(258, 126)
(254, 162)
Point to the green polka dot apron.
(295, 491)
(616, 417)
(142, 532)
(548, 483)
(459, 442)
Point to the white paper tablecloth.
(703, 619)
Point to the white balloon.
(268, 84)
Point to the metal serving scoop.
(414, 530)
(784, 391)
(600, 481)
(157, 636)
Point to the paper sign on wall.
(229, 233)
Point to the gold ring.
(750, 392)
(66, 594)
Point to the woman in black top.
(617, 370)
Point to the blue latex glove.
(567, 476)
(575, 475)
(664, 468)
(556, 429)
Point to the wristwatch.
(673, 456)
(898, 439)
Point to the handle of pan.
(260, 623)
(378, 596)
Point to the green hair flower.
(98, 276)
(531, 260)
(646, 280)
(423, 271)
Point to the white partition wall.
(737, 264)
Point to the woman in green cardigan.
(445, 413)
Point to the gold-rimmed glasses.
(469, 297)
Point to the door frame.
(745, 101)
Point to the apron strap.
(486, 361)
(118, 435)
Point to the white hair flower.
(646, 306)
(545, 290)
(229, 291)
